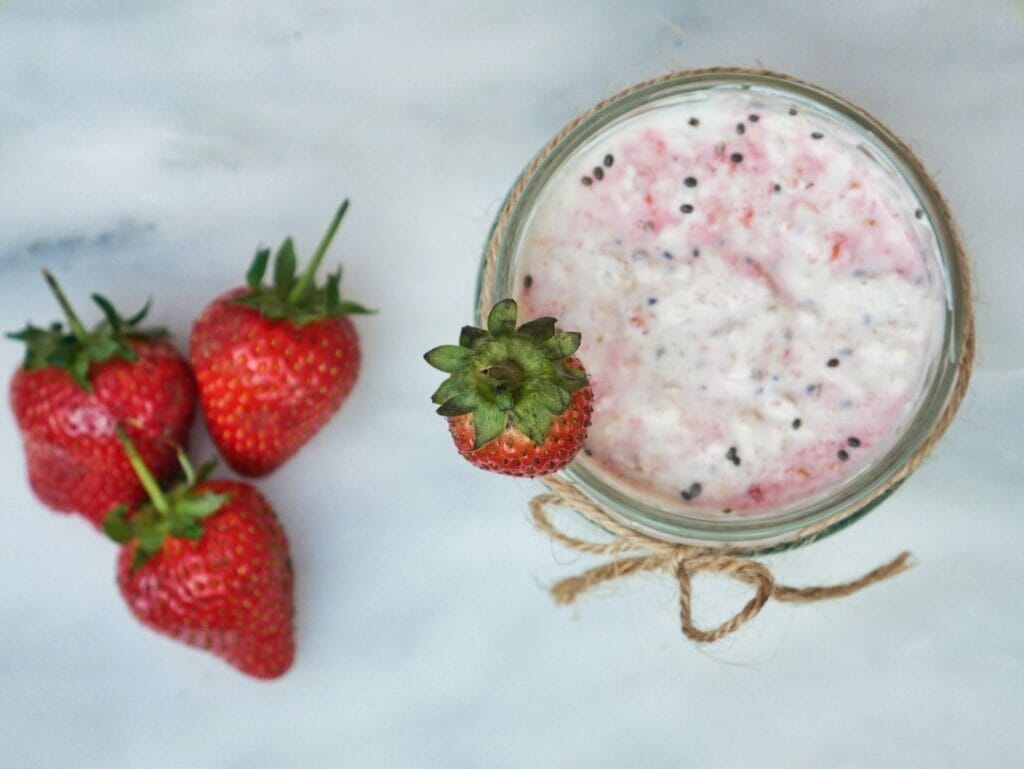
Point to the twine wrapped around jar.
(635, 551)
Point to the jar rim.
(942, 393)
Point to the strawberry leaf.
(332, 294)
(205, 469)
(563, 345)
(539, 329)
(135, 319)
(449, 388)
(460, 404)
(80, 370)
(108, 312)
(471, 335)
(258, 268)
(187, 529)
(346, 307)
(449, 358)
(533, 419)
(199, 505)
(150, 540)
(502, 318)
(488, 423)
(116, 527)
(187, 467)
(553, 398)
(570, 379)
(284, 268)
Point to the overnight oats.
(764, 295)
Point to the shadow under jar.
(773, 301)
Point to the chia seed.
(608, 160)
(732, 456)
(691, 493)
(686, 208)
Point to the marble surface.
(149, 147)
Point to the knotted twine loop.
(681, 560)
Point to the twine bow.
(681, 560)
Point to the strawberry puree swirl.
(760, 296)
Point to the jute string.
(638, 551)
(680, 560)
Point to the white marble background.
(148, 147)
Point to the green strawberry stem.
(302, 288)
(75, 352)
(79, 330)
(156, 494)
(177, 512)
(297, 299)
(508, 375)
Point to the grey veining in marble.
(148, 147)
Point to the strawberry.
(274, 363)
(75, 387)
(517, 401)
(207, 563)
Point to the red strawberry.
(72, 391)
(207, 563)
(517, 402)
(274, 363)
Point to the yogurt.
(760, 294)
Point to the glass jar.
(945, 381)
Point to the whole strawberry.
(207, 563)
(274, 363)
(517, 401)
(75, 386)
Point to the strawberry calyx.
(298, 298)
(177, 511)
(507, 375)
(77, 348)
